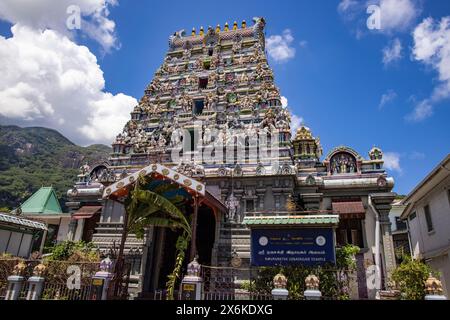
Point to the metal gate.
(227, 283)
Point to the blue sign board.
(306, 246)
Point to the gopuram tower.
(212, 104)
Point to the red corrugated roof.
(349, 208)
(86, 212)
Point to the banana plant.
(158, 206)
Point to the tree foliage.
(34, 157)
(79, 251)
(159, 207)
(334, 279)
(410, 277)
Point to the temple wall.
(63, 229)
(113, 212)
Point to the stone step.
(235, 241)
(235, 231)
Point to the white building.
(428, 217)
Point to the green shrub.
(410, 277)
(334, 279)
(74, 251)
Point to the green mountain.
(34, 157)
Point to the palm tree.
(152, 203)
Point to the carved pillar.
(388, 244)
(382, 203)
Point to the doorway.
(206, 235)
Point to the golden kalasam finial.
(218, 28)
(280, 281)
(193, 32)
(433, 286)
(312, 282)
(202, 31)
(244, 24)
(235, 26)
(39, 270)
(226, 27)
(19, 268)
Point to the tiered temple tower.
(213, 113)
(208, 102)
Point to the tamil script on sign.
(272, 247)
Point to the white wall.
(442, 265)
(63, 229)
(16, 243)
(423, 241)
(79, 231)
(433, 245)
(113, 212)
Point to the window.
(400, 224)
(412, 216)
(52, 235)
(189, 140)
(448, 196)
(250, 206)
(198, 106)
(350, 232)
(202, 83)
(428, 218)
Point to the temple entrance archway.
(206, 235)
(159, 257)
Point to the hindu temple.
(212, 123)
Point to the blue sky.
(332, 74)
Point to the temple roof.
(43, 202)
(21, 222)
(291, 220)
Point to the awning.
(309, 220)
(21, 222)
(349, 210)
(86, 212)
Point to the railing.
(57, 285)
(162, 295)
(217, 295)
(62, 292)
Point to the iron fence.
(246, 296)
(55, 291)
(56, 279)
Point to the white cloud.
(51, 14)
(303, 44)
(350, 10)
(392, 52)
(347, 5)
(432, 47)
(416, 155)
(279, 46)
(296, 121)
(395, 15)
(398, 15)
(48, 80)
(422, 111)
(284, 102)
(386, 98)
(392, 161)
